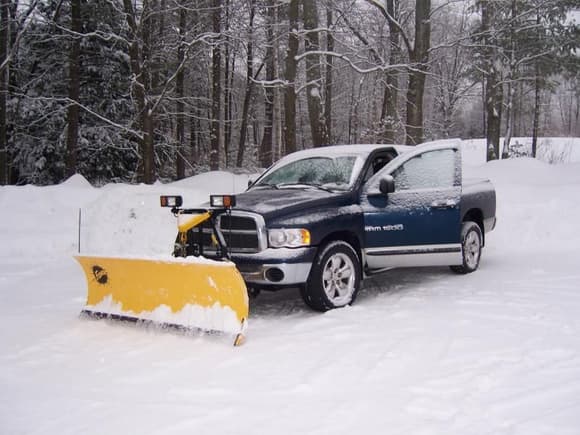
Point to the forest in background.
(136, 91)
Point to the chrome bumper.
(278, 267)
(277, 274)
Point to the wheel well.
(476, 215)
(348, 237)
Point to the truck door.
(419, 223)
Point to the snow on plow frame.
(182, 292)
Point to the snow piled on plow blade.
(186, 292)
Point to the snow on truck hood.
(285, 200)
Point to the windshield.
(337, 173)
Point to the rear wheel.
(471, 244)
(335, 277)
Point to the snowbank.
(423, 351)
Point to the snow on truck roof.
(359, 150)
(334, 150)
(362, 149)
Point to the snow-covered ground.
(423, 351)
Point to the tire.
(471, 244)
(334, 279)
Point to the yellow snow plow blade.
(184, 292)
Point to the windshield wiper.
(307, 185)
(265, 185)
(321, 187)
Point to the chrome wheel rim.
(472, 249)
(339, 279)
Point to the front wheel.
(471, 244)
(335, 277)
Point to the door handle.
(441, 205)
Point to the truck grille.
(241, 233)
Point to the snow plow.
(185, 291)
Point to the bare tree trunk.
(351, 108)
(265, 152)
(179, 90)
(215, 130)
(415, 107)
(290, 76)
(277, 134)
(230, 109)
(313, 74)
(355, 118)
(4, 77)
(536, 127)
(141, 89)
(537, 89)
(509, 121)
(419, 58)
(156, 29)
(148, 118)
(493, 86)
(245, 116)
(249, 87)
(72, 116)
(389, 108)
(328, 76)
(193, 136)
(512, 76)
(483, 105)
(576, 131)
(277, 115)
(494, 93)
(227, 87)
(389, 112)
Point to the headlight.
(290, 238)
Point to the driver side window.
(378, 163)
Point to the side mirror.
(387, 184)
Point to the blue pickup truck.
(323, 219)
